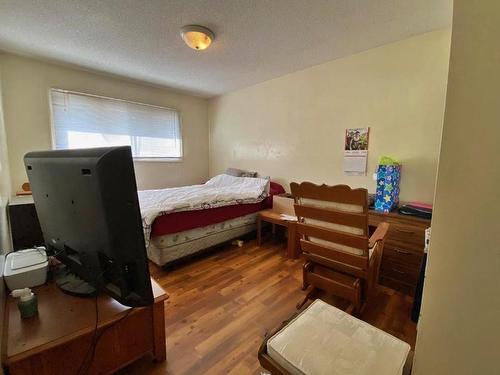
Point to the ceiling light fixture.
(197, 37)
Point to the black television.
(86, 201)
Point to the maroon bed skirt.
(185, 220)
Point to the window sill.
(158, 160)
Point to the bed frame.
(163, 257)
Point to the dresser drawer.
(403, 250)
(407, 246)
(406, 233)
(407, 273)
(397, 285)
(402, 255)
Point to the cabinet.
(403, 251)
(55, 341)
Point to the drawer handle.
(398, 271)
(405, 231)
(402, 252)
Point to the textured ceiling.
(255, 40)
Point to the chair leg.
(305, 285)
(303, 302)
(358, 303)
(307, 267)
(350, 309)
(309, 296)
(371, 293)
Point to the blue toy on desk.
(387, 196)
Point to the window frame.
(136, 159)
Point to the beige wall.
(5, 241)
(25, 87)
(292, 127)
(459, 329)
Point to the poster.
(356, 151)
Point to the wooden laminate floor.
(222, 305)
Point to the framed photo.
(356, 139)
(356, 151)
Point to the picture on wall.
(356, 151)
(356, 139)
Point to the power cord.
(96, 336)
(93, 342)
(93, 347)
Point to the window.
(82, 121)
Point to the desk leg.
(159, 339)
(292, 239)
(297, 248)
(259, 230)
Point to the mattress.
(221, 190)
(169, 247)
(181, 221)
(185, 220)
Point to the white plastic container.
(25, 268)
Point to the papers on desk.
(288, 217)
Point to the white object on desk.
(26, 268)
(283, 205)
(288, 217)
(21, 199)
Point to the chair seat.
(326, 340)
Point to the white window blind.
(83, 121)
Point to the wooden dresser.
(56, 341)
(403, 251)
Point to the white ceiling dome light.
(197, 37)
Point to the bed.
(180, 222)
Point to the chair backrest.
(333, 221)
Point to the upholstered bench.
(325, 340)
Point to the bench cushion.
(326, 340)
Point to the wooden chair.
(340, 257)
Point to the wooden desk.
(56, 341)
(403, 250)
(273, 217)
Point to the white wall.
(459, 329)
(292, 128)
(26, 84)
(5, 241)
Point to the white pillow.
(225, 180)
